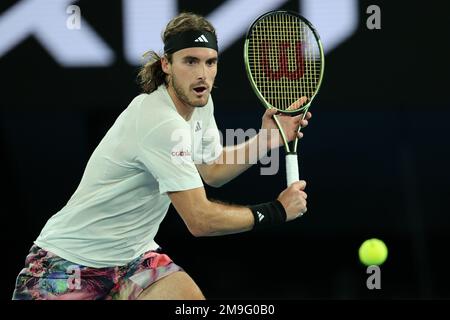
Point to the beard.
(183, 96)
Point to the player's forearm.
(237, 159)
(215, 219)
(210, 218)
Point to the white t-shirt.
(115, 213)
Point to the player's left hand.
(290, 124)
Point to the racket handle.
(291, 168)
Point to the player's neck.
(183, 108)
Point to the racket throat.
(287, 145)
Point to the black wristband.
(268, 214)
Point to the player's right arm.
(209, 218)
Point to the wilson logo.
(283, 63)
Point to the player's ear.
(166, 65)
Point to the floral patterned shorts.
(48, 276)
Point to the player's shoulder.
(155, 111)
(156, 105)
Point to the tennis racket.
(284, 61)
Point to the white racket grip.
(292, 168)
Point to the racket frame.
(290, 147)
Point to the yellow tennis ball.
(373, 252)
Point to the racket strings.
(284, 59)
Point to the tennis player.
(100, 245)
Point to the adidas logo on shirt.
(202, 38)
(260, 216)
(198, 127)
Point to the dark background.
(375, 157)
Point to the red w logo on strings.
(283, 70)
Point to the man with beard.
(100, 245)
